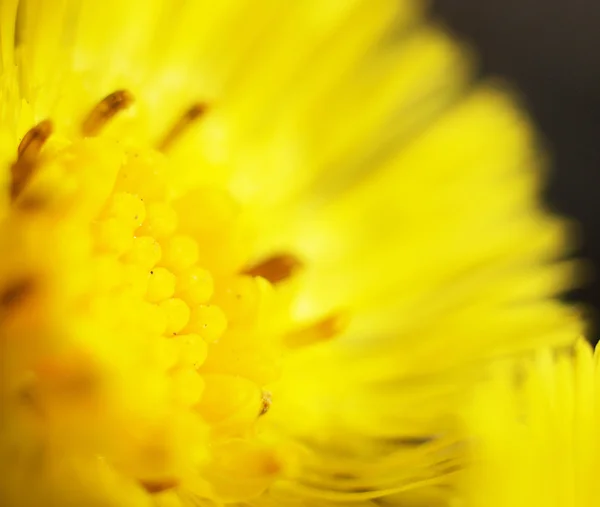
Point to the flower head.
(251, 251)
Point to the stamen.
(154, 487)
(71, 378)
(189, 117)
(28, 397)
(266, 403)
(34, 139)
(105, 110)
(27, 156)
(412, 441)
(320, 331)
(276, 268)
(16, 292)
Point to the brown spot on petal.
(192, 114)
(158, 486)
(276, 269)
(321, 330)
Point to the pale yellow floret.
(534, 425)
(255, 253)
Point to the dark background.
(550, 49)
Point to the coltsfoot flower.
(251, 252)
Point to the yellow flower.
(535, 428)
(251, 251)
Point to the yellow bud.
(161, 285)
(144, 174)
(145, 252)
(208, 321)
(128, 208)
(195, 286)
(179, 253)
(161, 220)
(178, 314)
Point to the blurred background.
(550, 49)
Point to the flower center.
(140, 331)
